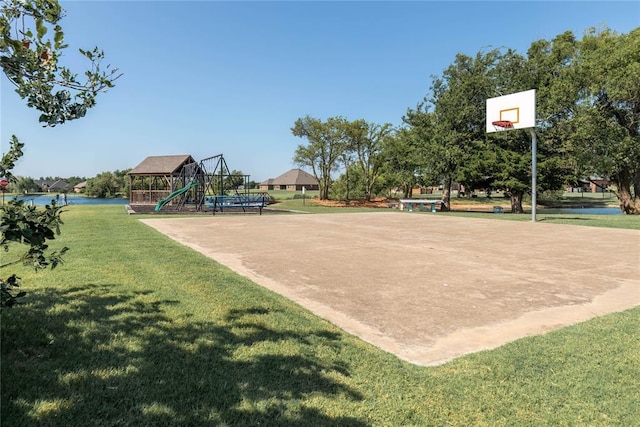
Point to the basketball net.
(500, 125)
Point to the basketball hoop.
(502, 124)
(516, 111)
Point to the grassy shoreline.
(135, 329)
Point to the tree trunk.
(406, 190)
(446, 194)
(346, 176)
(516, 202)
(368, 186)
(629, 202)
(324, 188)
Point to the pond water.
(72, 199)
(582, 211)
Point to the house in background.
(44, 184)
(51, 186)
(598, 184)
(595, 184)
(293, 180)
(60, 186)
(80, 187)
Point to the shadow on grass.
(91, 356)
(566, 218)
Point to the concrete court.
(426, 287)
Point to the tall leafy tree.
(450, 121)
(403, 160)
(365, 139)
(326, 142)
(588, 109)
(606, 124)
(549, 70)
(108, 184)
(102, 185)
(588, 117)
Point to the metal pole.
(534, 180)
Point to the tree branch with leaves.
(25, 225)
(31, 61)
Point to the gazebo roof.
(158, 165)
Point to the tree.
(108, 184)
(513, 166)
(24, 185)
(455, 136)
(548, 69)
(606, 122)
(450, 122)
(225, 180)
(588, 109)
(235, 180)
(403, 160)
(327, 141)
(365, 140)
(349, 184)
(102, 185)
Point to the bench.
(219, 203)
(409, 203)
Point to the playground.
(171, 184)
(427, 288)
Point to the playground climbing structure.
(209, 185)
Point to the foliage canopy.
(31, 60)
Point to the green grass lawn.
(137, 330)
(564, 199)
(613, 221)
(591, 199)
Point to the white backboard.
(519, 108)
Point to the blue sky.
(210, 77)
